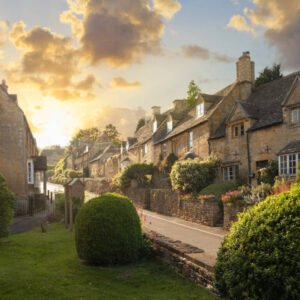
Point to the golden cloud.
(119, 33)
(280, 20)
(167, 8)
(120, 82)
(4, 26)
(50, 62)
(198, 52)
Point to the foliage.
(281, 185)
(191, 176)
(50, 173)
(206, 197)
(298, 174)
(218, 189)
(60, 167)
(233, 197)
(269, 74)
(268, 174)
(108, 231)
(140, 124)
(112, 132)
(261, 191)
(60, 206)
(7, 204)
(115, 184)
(137, 172)
(69, 173)
(193, 93)
(45, 266)
(85, 136)
(259, 258)
(168, 163)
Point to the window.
(288, 164)
(154, 126)
(190, 140)
(238, 130)
(145, 149)
(169, 125)
(30, 171)
(200, 110)
(229, 173)
(164, 150)
(295, 116)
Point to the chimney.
(4, 86)
(245, 68)
(155, 110)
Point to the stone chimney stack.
(155, 110)
(4, 86)
(245, 68)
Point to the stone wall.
(168, 202)
(186, 260)
(230, 213)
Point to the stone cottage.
(20, 164)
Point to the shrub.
(108, 231)
(298, 174)
(218, 189)
(261, 191)
(259, 258)
(268, 174)
(7, 203)
(191, 176)
(138, 172)
(60, 206)
(233, 197)
(72, 173)
(168, 163)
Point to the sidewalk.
(26, 223)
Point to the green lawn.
(41, 266)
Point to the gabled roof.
(103, 156)
(73, 181)
(264, 104)
(292, 147)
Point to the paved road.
(206, 238)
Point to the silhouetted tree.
(140, 124)
(269, 74)
(193, 93)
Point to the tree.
(192, 93)
(112, 132)
(268, 75)
(85, 136)
(140, 124)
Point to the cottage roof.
(292, 147)
(73, 181)
(103, 156)
(264, 104)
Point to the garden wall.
(230, 213)
(168, 202)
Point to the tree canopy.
(193, 93)
(269, 74)
(112, 132)
(140, 124)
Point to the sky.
(82, 63)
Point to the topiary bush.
(7, 204)
(137, 172)
(218, 189)
(192, 175)
(260, 257)
(108, 231)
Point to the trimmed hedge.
(108, 231)
(260, 257)
(192, 175)
(218, 189)
(7, 204)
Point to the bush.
(60, 206)
(108, 231)
(7, 204)
(137, 172)
(218, 189)
(233, 197)
(191, 176)
(168, 163)
(72, 173)
(268, 174)
(259, 258)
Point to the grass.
(42, 266)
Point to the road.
(206, 238)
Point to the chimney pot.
(155, 110)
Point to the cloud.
(120, 82)
(167, 8)
(4, 27)
(198, 52)
(280, 22)
(49, 62)
(118, 33)
(240, 23)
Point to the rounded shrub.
(108, 231)
(260, 257)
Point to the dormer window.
(295, 116)
(154, 125)
(169, 125)
(200, 110)
(238, 130)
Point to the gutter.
(249, 157)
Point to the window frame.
(292, 116)
(164, 150)
(169, 125)
(288, 164)
(190, 140)
(229, 173)
(200, 110)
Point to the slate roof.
(103, 156)
(264, 104)
(292, 147)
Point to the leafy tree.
(268, 75)
(85, 136)
(193, 93)
(112, 132)
(140, 124)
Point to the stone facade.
(17, 147)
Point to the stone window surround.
(190, 140)
(294, 115)
(229, 172)
(288, 164)
(237, 129)
(164, 150)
